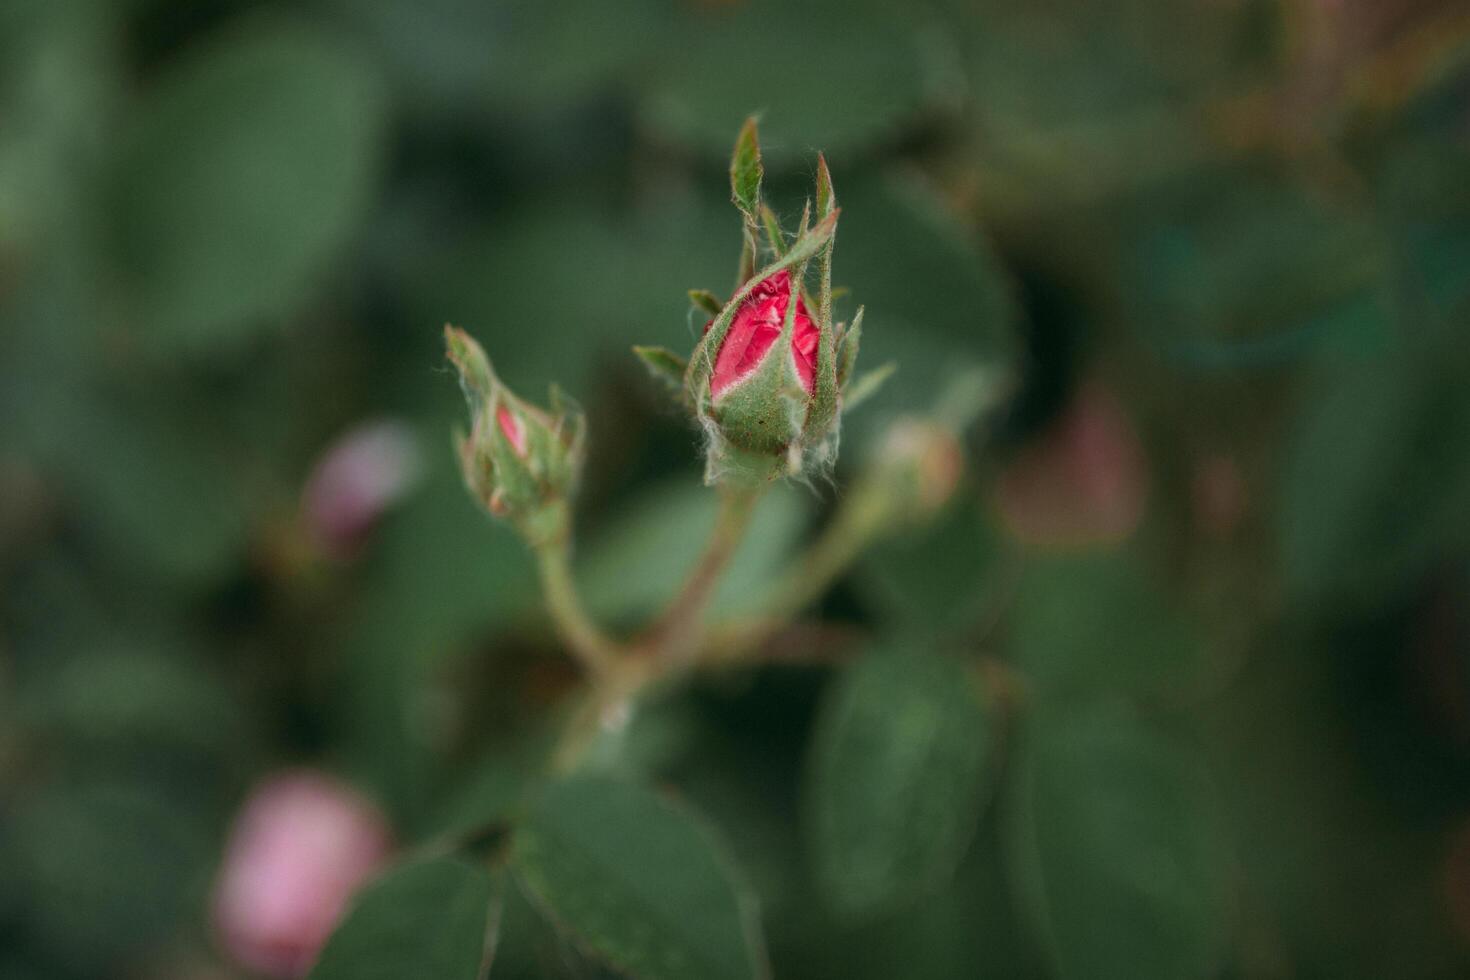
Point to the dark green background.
(230, 231)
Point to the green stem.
(592, 648)
(677, 630)
(856, 524)
(861, 519)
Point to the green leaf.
(834, 75)
(866, 385)
(1377, 478)
(109, 868)
(746, 170)
(250, 165)
(898, 774)
(665, 366)
(1116, 849)
(1096, 622)
(1229, 270)
(940, 577)
(432, 919)
(640, 881)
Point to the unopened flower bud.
(521, 462)
(920, 462)
(766, 381)
(299, 849)
(361, 476)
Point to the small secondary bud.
(921, 461)
(520, 461)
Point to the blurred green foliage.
(1235, 745)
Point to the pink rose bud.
(299, 849)
(360, 476)
(513, 429)
(767, 380)
(1082, 483)
(755, 330)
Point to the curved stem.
(586, 641)
(858, 522)
(677, 630)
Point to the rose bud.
(921, 462)
(301, 846)
(519, 461)
(767, 379)
(360, 476)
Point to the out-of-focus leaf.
(1096, 622)
(792, 60)
(1235, 270)
(158, 489)
(1376, 484)
(107, 870)
(493, 788)
(532, 948)
(1117, 848)
(432, 919)
(898, 772)
(640, 881)
(937, 300)
(1426, 201)
(441, 573)
(662, 536)
(58, 80)
(512, 280)
(938, 577)
(247, 169)
(1078, 99)
(106, 705)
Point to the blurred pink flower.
(1220, 495)
(1083, 482)
(300, 847)
(355, 481)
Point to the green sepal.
(848, 349)
(705, 300)
(822, 419)
(866, 385)
(746, 170)
(774, 236)
(826, 200)
(665, 366)
(476, 377)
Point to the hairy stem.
(588, 644)
(858, 522)
(677, 630)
